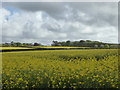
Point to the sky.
(44, 22)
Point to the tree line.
(18, 44)
(84, 43)
(68, 43)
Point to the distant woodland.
(81, 43)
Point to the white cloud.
(3, 14)
(41, 26)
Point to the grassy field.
(96, 68)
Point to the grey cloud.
(52, 8)
(101, 13)
(44, 22)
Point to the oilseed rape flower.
(88, 68)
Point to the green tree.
(55, 43)
(96, 46)
(68, 43)
(18, 44)
(106, 46)
(101, 46)
(13, 44)
(36, 44)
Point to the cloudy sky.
(44, 22)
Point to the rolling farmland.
(87, 68)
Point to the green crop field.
(87, 68)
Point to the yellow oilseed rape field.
(7, 48)
(89, 68)
(58, 47)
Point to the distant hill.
(85, 43)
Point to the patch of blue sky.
(12, 11)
